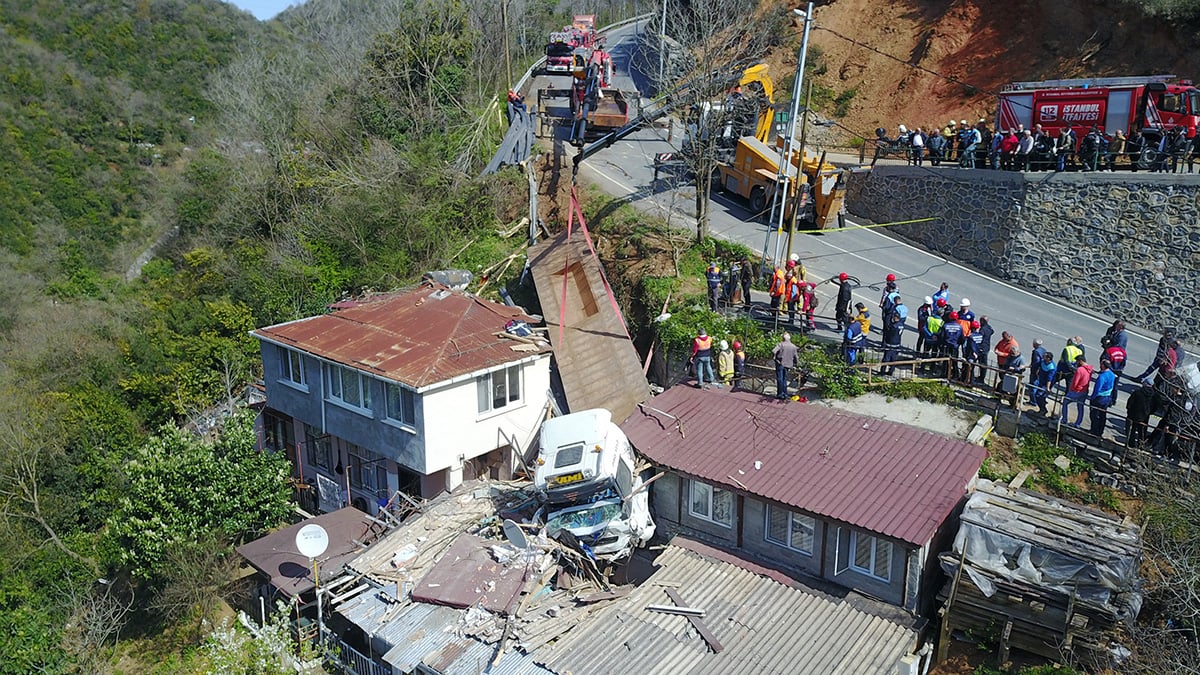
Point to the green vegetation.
(1180, 10)
(930, 392)
(841, 102)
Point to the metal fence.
(350, 661)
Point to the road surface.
(626, 170)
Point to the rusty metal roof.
(596, 359)
(418, 337)
(885, 477)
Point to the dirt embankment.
(924, 62)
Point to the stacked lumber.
(1040, 573)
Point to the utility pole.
(782, 178)
(816, 184)
(507, 51)
(662, 47)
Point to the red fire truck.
(1148, 104)
(578, 39)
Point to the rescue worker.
(923, 312)
(886, 299)
(842, 308)
(713, 277)
(1116, 357)
(1035, 361)
(795, 263)
(725, 364)
(964, 310)
(1142, 403)
(863, 318)
(739, 362)
(985, 331)
(942, 294)
(1160, 353)
(932, 331)
(702, 357)
(950, 337)
(893, 330)
(853, 341)
(1004, 349)
(746, 276)
(776, 290)
(971, 349)
(791, 292)
(808, 291)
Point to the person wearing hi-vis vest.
(702, 357)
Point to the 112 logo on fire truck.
(1070, 112)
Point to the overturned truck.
(588, 484)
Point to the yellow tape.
(867, 227)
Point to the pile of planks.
(1041, 574)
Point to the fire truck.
(1149, 105)
(570, 46)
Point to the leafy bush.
(930, 392)
(826, 365)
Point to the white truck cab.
(586, 477)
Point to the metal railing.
(351, 661)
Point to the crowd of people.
(1081, 148)
(966, 338)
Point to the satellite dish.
(514, 535)
(312, 540)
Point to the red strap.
(562, 313)
(603, 278)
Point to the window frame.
(316, 445)
(876, 544)
(363, 462)
(485, 390)
(335, 375)
(407, 409)
(710, 499)
(790, 529)
(288, 370)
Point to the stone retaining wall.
(1122, 244)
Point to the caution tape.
(868, 227)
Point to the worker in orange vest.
(777, 288)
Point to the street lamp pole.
(785, 167)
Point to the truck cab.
(586, 478)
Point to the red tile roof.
(418, 337)
(884, 477)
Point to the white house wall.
(455, 431)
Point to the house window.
(711, 503)
(870, 555)
(401, 404)
(790, 530)
(368, 471)
(279, 435)
(291, 367)
(499, 389)
(349, 387)
(319, 448)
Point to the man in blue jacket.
(1102, 396)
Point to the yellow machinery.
(754, 176)
(758, 73)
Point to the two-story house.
(413, 391)
(862, 503)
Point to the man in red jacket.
(1077, 390)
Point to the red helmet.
(843, 276)
(975, 324)
(737, 345)
(891, 277)
(954, 316)
(941, 302)
(791, 264)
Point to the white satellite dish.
(312, 540)
(514, 535)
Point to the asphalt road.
(626, 170)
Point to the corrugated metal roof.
(764, 626)
(885, 477)
(597, 362)
(418, 337)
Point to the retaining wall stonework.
(1122, 244)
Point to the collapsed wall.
(1122, 244)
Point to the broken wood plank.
(1019, 480)
(700, 626)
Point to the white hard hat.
(928, 300)
(795, 257)
(903, 128)
(966, 302)
(724, 345)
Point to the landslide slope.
(921, 62)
